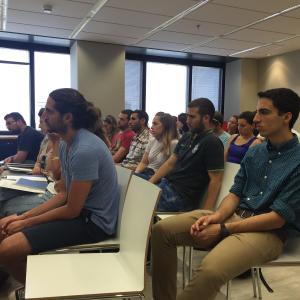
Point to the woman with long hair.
(110, 127)
(239, 144)
(160, 146)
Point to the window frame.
(179, 61)
(31, 48)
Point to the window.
(24, 91)
(52, 71)
(166, 88)
(133, 82)
(14, 78)
(206, 83)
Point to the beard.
(57, 129)
(15, 131)
(199, 129)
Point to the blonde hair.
(169, 131)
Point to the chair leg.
(228, 290)
(190, 266)
(253, 282)
(183, 267)
(258, 283)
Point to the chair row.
(100, 275)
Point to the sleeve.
(85, 165)
(25, 142)
(126, 139)
(214, 154)
(239, 181)
(173, 145)
(150, 144)
(287, 202)
(180, 142)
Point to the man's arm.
(213, 189)
(165, 169)
(77, 196)
(263, 222)
(143, 164)
(120, 154)
(19, 157)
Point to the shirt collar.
(284, 146)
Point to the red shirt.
(122, 139)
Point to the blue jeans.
(18, 202)
(170, 200)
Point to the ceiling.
(218, 27)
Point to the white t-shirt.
(156, 156)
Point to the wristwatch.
(224, 232)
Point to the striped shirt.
(269, 180)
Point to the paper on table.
(11, 184)
(30, 177)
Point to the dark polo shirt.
(30, 140)
(196, 155)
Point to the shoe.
(20, 293)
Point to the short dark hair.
(248, 116)
(205, 107)
(127, 112)
(142, 115)
(285, 100)
(16, 116)
(41, 111)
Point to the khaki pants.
(229, 258)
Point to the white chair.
(230, 170)
(124, 176)
(289, 258)
(99, 275)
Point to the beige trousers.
(229, 258)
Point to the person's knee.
(6, 250)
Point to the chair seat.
(113, 243)
(60, 276)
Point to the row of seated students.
(85, 207)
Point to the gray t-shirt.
(88, 159)
(156, 156)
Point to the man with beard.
(195, 166)
(139, 124)
(121, 145)
(86, 210)
(254, 220)
(29, 139)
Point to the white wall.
(240, 87)
(280, 71)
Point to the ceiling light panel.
(205, 28)
(37, 19)
(280, 24)
(225, 15)
(255, 35)
(175, 37)
(232, 44)
(161, 7)
(114, 29)
(269, 6)
(60, 7)
(128, 17)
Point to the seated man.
(29, 139)
(18, 202)
(254, 219)
(195, 166)
(89, 209)
(139, 124)
(121, 144)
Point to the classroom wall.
(98, 72)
